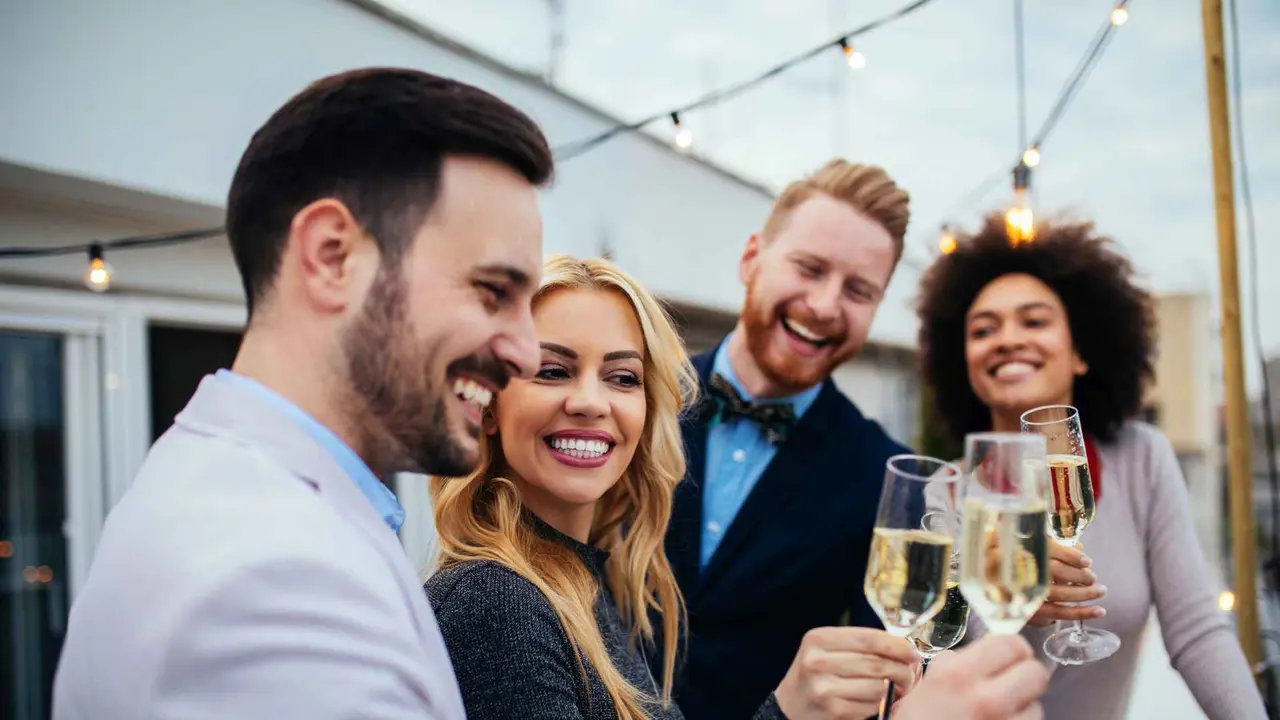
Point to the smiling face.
(448, 324)
(570, 432)
(1018, 348)
(813, 290)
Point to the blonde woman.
(551, 554)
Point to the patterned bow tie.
(724, 403)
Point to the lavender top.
(1144, 549)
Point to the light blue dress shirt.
(380, 496)
(737, 454)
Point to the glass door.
(50, 500)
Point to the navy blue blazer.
(793, 558)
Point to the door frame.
(118, 428)
(106, 380)
(83, 459)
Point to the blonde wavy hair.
(478, 517)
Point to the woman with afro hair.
(1060, 321)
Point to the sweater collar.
(593, 557)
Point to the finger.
(942, 660)
(849, 690)
(868, 641)
(1016, 689)
(993, 654)
(1069, 612)
(1074, 594)
(1066, 574)
(1035, 711)
(1072, 556)
(860, 665)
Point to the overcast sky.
(936, 105)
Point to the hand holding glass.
(1004, 551)
(1071, 509)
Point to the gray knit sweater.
(512, 657)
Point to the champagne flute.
(906, 582)
(1071, 508)
(947, 627)
(1004, 549)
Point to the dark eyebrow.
(559, 350)
(991, 314)
(511, 273)
(569, 353)
(982, 315)
(1037, 305)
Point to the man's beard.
(785, 370)
(399, 409)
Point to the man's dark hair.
(376, 140)
(1111, 320)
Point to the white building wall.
(162, 97)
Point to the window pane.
(33, 550)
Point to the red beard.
(788, 372)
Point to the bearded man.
(772, 526)
(386, 226)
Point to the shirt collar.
(800, 402)
(379, 495)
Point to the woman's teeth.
(472, 392)
(577, 447)
(1014, 370)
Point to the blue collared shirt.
(737, 454)
(380, 496)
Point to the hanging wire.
(577, 148)
(1070, 89)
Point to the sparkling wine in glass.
(947, 627)
(1071, 509)
(1004, 548)
(907, 570)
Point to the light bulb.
(684, 138)
(97, 277)
(1031, 157)
(947, 242)
(1226, 601)
(1020, 222)
(1119, 16)
(856, 60)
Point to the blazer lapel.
(795, 470)
(684, 536)
(223, 409)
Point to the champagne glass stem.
(885, 701)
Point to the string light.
(1031, 157)
(567, 152)
(856, 60)
(1019, 220)
(97, 277)
(684, 138)
(947, 241)
(1119, 16)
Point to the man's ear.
(330, 255)
(750, 256)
